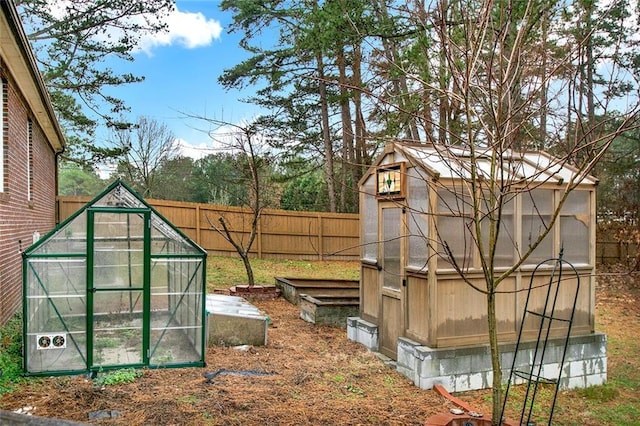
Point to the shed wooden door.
(391, 279)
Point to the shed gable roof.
(455, 163)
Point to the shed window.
(574, 227)
(391, 247)
(453, 227)
(505, 244)
(417, 220)
(537, 210)
(391, 181)
(369, 222)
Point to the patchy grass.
(225, 272)
(605, 393)
(118, 377)
(11, 372)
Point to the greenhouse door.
(392, 290)
(118, 287)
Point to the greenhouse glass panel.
(176, 311)
(453, 223)
(505, 244)
(391, 247)
(55, 314)
(118, 272)
(120, 196)
(369, 226)
(118, 250)
(166, 239)
(71, 237)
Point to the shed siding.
(369, 292)
(417, 313)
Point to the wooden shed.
(416, 243)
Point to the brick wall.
(19, 216)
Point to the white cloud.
(222, 139)
(194, 151)
(188, 29)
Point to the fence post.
(320, 238)
(259, 236)
(198, 228)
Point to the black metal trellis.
(532, 373)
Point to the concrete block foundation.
(363, 332)
(469, 368)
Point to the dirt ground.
(311, 375)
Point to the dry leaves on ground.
(309, 375)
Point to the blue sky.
(181, 70)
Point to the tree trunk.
(242, 252)
(347, 128)
(361, 156)
(544, 108)
(247, 266)
(590, 137)
(326, 135)
(495, 357)
(443, 104)
(406, 116)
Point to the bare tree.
(147, 146)
(248, 145)
(491, 52)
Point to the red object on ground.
(450, 419)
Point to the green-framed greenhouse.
(115, 285)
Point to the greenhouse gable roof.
(117, 196)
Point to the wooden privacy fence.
(286, 234)
(616, 252)
(281, 234)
